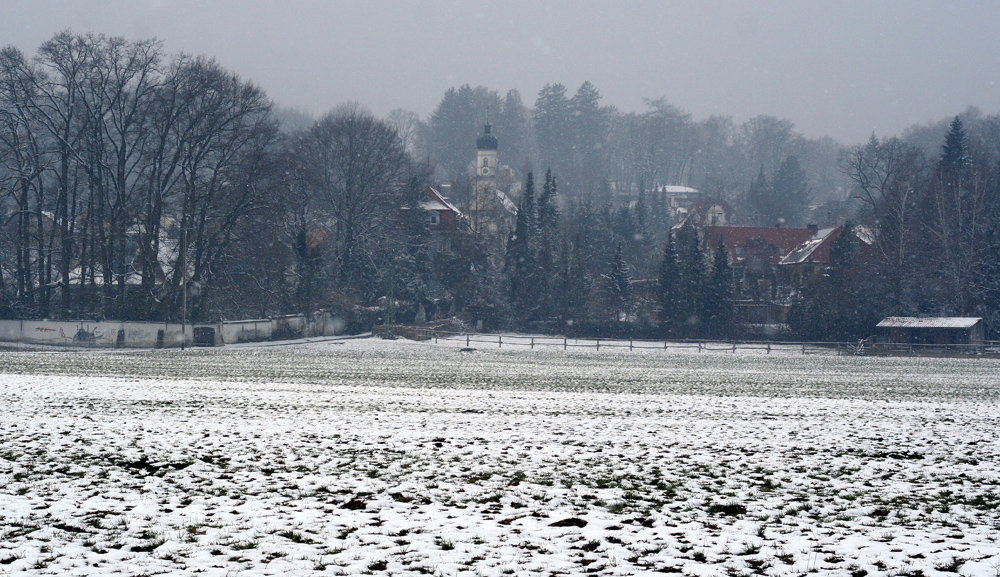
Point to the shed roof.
(929, 322)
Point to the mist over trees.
(125, 170)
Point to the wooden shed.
(932, 330)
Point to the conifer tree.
(790, 193)
(548, 211)
(571, 294)
(690, 278)
(547, 241)
(717, 304)
(667, 289)
(618, 286)
(757, 200)
(554, 127)
(521, 262)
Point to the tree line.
(932, 214)
(125, 171)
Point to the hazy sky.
(842, 68)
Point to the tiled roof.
(816, 249)
(734, 236)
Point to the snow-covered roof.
(507, 203)
(805, 250)
(929, 322)
(674, 189)
(436, 201)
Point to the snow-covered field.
(372, 456)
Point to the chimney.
(812, 226)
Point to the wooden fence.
(864, 347)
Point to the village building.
(442, 216)
(809, 258)
(490, 211)
(704, 213)
(772, 264)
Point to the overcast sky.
(843, 68)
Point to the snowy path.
(405, 458)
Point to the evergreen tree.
(618, 286)
(521, 262)
(572, 294)
(554, 128)
(717, 304)
(667, 289)
(513, 129)
(408, 274)
(589, 138)
(450, 134)
(548, 210)
(844, 247)
(837, 305)
(953, 213)
(547, 241)
(782, 200)
(690, 278)
(758, 199)
(790, 193)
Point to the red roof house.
(443, 215)
(756, 247)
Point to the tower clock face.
(486, 170)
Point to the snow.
(406, 458)
(929, 322)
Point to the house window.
(486, 161)
(715, 219)
(739, 251)
(435, 219)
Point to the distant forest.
(127, 173)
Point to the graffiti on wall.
(84, 334)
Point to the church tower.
(486, 156)
(484, 198)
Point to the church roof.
(487, 141)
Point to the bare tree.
(357, 168)
(221, 130)
(408, 125)
(22, 163)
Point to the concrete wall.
(93, 333)
(247, 331)
(151, 335)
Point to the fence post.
(564, 343)
(630, 344)
(734, 347)
(803, 348)
(598, 344)
(699, 346)
(532, 343)
(499, 341)
(769, 347)
(466, 340)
